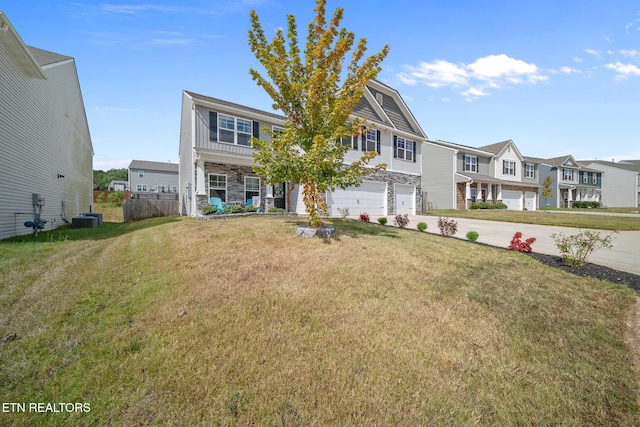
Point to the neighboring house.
(456, 176)
(118, 185)
(45, 144)
(216, 157)
(153, 177)
(571, 182)
(620, 182)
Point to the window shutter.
(256, 130)
(395, 146)
(415, 149)
(213, 126)
(378, 141)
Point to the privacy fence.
(150, 205)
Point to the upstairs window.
(233, 130)
(405, 149)
(140, 174)
(349, 142)
(585, 177)
(594, 178)
(370, 141)
(470, 163)
(509, 167)
(530, 170)
(567, 174)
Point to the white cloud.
(474, 79)
(576, 59)
(623, 71)
(565, 70)
(629, 53)
(626, 27)
(593, 52)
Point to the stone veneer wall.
(460, 192)
(235, 182)
(392, 178)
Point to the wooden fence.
(150, 205)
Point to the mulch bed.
(591, 270)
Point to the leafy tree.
(102, 179)
(546, 188)
(318, 104)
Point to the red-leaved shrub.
(364, 217)
(519, 245)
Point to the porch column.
(490, 193)
(499, 193)
(467, 194)
(268, 199)
(479, 193)
(201, 190)
(569, 197)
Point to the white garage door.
(530, 201)
(513, 199)
(405, 202)
(370, 197)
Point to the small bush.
(116, 198)
(447, 227)
(519, 245)
(578, 205)
(250, 208)
(382, 220)
(422, 226)
(276, 210)
(500, 205)
(576, 249)
(101, 198)
(472, 236)
(364, 217)
(231, 209)
(208, 210)
(344, 212)
(401, 221)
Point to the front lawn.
(240, 322)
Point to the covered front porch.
(575, 193)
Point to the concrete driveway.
(624, 256)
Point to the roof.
(495, 148)
(557, 161)
(44, 57)
(234, 105)
(634, 167)
(12, 42)
(462, 148)
(154, 166)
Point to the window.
(473, 194)
(585, 177)
(509, 167)
(349, 142)
(174, 188)
(141, 187)
(530, 170)
(233, 130)
(162, 189)
(370, 141)
(567, 174)
(404, 149)
(251, 187)
(277, 129)
(140, 174)
(470, 163)
(218, 187)
(594, 178)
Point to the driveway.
(624, 256)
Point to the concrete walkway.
(624, 256)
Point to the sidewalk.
(624, 256)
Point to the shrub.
(422, 226)
(519, 245)
(344, 212)
(250, 208)
(116, 198)
(382, 220)
(577, 248)
(364, 217)
(276, 210)
(594, 204)
(101, 198)
(231, 209)
(208, 210)
(578, 205)
(472, 236)
(401, 221)
(447, 227)
(500, 205)
(480, 205)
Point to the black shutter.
(415, 144)
(256, 130)
(378, 141)
(395, 146)
(213, 126)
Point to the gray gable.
(394, 112)
(363, 108)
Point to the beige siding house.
(45, 145)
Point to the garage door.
(530, 201)
(370, 197)
(513, 199)
(405, 202)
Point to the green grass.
(545, 217)
(379, 326)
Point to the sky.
(556, 77)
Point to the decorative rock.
(304, 231)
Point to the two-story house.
(571, 182)
(216, 157)
(153, 177)
(456, 176)
(620, 181)
(46, 154)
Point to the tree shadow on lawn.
(354, 229)
(106, 230)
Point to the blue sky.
(556, 77)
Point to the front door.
(278, 195)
